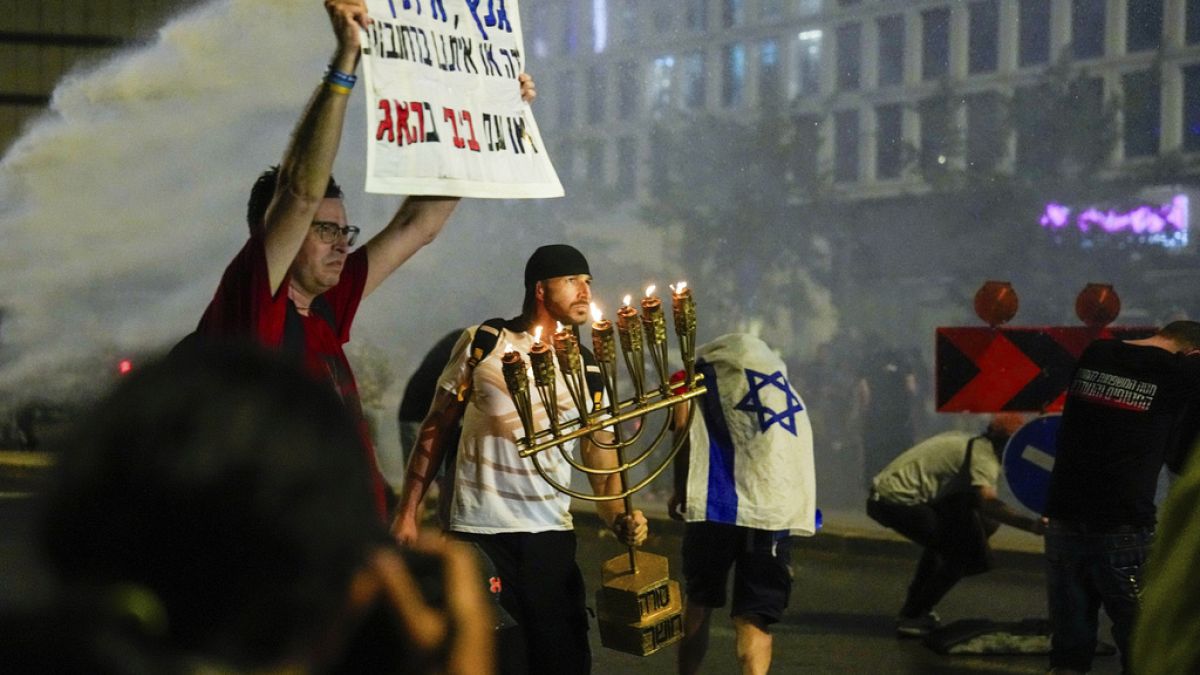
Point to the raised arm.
(444, 413)
(308, 162)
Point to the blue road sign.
(1029, 458)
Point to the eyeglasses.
(329, 232)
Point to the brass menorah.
(639, 606)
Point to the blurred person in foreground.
(206, 517)
(1166, 632)
(1126, 407)
(942, 494)
(500, 502)
(744, 483)
(296, 284)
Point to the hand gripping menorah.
(640, 608)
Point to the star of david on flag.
(752, 401)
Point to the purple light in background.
(1166, 224)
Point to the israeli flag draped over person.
(751, 460)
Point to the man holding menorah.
(499, 499)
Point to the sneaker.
(917, 626)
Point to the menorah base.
(639, 612)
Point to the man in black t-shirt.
(1125, 409)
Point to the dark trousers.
(954, 536)
(543, 590)
(1087, 568)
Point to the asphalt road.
(841, 615)
(840, 619)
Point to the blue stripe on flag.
(722, 490)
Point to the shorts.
(762, 577)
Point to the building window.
(733, 75)
(1144, 24)
(935, 51)
(695, 77)
(697, 15)
(1191, 32)
(891, 50)
(807, 53)
(626, 166)
(659, 82)
(1141, 111)
(983, 18)
(570, 34)
(845, 146)
(772, 10)
(627, 22)
(808, 7)
(597, 94)
(1087, 29)
(1191, 108)
(937, 134)
(627, 91)
(733, 13)
(599, 26)
(803, 160)
(566, 95)
(849, 49)
(985, 131)
(595, 164)
(1033, 18)
(889, 141)
(770, 74)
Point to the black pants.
(542, 589)
(955, 538)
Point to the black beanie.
(554, 260)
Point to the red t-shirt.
(243, 307)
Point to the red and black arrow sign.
(982, 369)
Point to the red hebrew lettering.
(385, 125)
(473, 144)
(416, 108)
(449, 116)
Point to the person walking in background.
(744, 483)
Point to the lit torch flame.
(628, 299)
(650, 290)
(596, 315)
(558, 327)
(508, 348)
(678, 288)
(537, 334)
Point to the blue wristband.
(338, 78)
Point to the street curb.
(833, 539)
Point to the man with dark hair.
(1124, 411)
(296, 285)
(499, 500)
(942, 494)
(206, 517)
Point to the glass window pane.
(659, 82)
(891, 50)
(695, 77)
(1144, 24)
(733, 74)
(626, 166)
(1192, 22)
(1141, 113)
(849, 50)
(936, 134)
(935, 51)
(845, 166)
(807, 52)
(697, 15)
(597, 94)
(770, 74)
(985, 131)
(984, 40)
(889, 141)
(1087, 29)
(733, 13)
(1033, 17)
(1191, 108)
(627, 90)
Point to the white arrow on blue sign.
(1029, 459)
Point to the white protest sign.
(444, 110)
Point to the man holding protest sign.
(296, 285)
